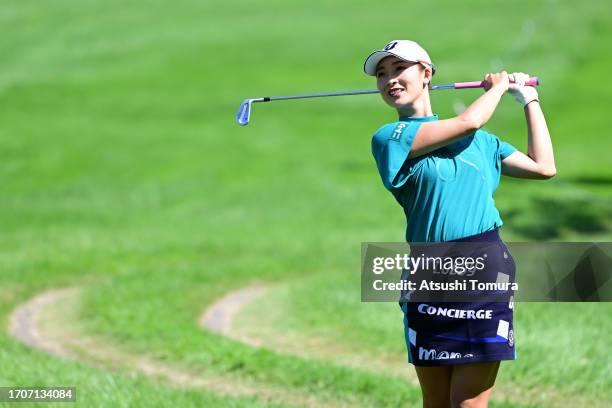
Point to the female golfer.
(444, 173)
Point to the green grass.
(122, 171)
(326, 306)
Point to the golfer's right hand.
(499, 79)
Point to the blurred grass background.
(123, 172)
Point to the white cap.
(403, 49)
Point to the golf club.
(243, 115)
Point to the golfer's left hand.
(523, 94)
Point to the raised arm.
(433, 135)
(539, 162)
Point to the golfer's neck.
(420, 107)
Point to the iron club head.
(243, 115)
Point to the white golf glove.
(523, 94)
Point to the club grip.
(533, 81)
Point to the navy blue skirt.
(447, 333)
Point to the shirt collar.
(418, 118)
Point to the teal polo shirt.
(446, 194)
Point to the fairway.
(131, 203)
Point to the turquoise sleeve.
(506, 149)
(391, 146)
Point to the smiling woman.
(444, 173)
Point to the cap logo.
(390, 46)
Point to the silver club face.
(243, 115)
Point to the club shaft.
(244, 111)
(317, 95)
(534, 81)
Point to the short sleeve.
(391, 146)
(506, 149)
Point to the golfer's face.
(399, 82)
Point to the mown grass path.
(36, 323)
